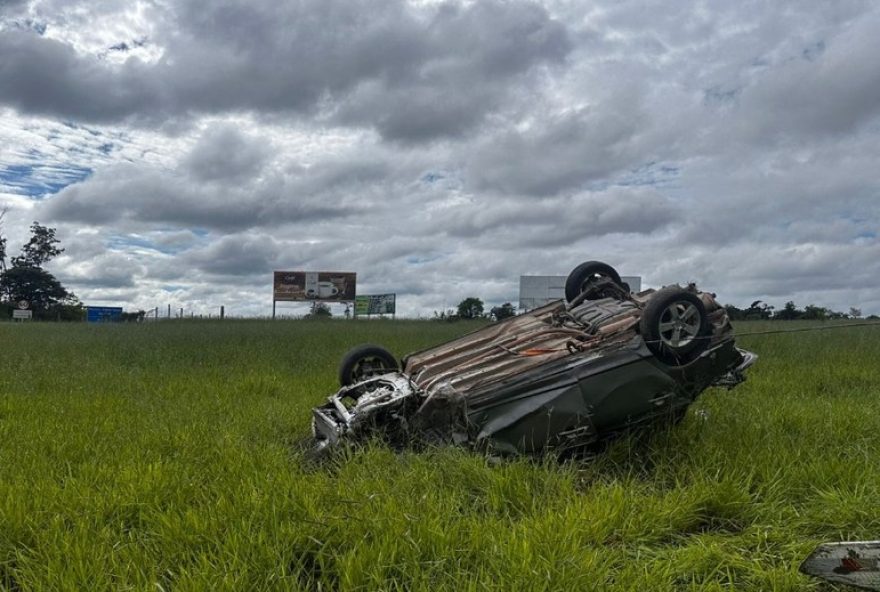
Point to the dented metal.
(557, 378)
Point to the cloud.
(223, 153)
(236, 255)
(129, 194)
(11, 7)
(559, 221)
(412, 73)
(102, 270)
(562, 152)
(45, 76)
(829, 89)
(441, 149)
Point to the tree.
(734, 313)
(759, 310)
(35, 285)
(815, 313)
(855, 313)
(470, 308)
(789, 312)
(505, 311)
(445, 315)
(2, 242)
(40, 249)
(320, 310)
(25, 278)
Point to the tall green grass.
(166, 457)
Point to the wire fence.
(779, 331)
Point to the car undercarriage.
(557, 378)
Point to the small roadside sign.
(23, 305)
(20, 315)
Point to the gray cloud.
(475, 55)
(223, 153)
(41, 75)
(11, 7)
(414, 73)
(441, 149)
(829, 93)
(127, 193)
(560, 152)
(562, 221)
(235, 256)
(104, 270)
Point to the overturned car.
(558, 378)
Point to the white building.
(538, 290)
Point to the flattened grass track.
(166, 457)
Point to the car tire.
(580, 277)
(675, 325)
(365, 361)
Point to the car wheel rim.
(679, 324)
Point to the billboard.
(375, 304)
(103, 314)
(297, 286)
(538, 290)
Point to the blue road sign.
(103, 314)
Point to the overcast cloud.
(441, 149)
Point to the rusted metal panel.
(522, 343)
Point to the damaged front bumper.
(360, 408)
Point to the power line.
(737, 334)
(806, 329)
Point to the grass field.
(165, 457)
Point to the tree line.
(761, 311)
(473, 308)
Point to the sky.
(440, 149)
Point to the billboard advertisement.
(298, 286)
(375, 304)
